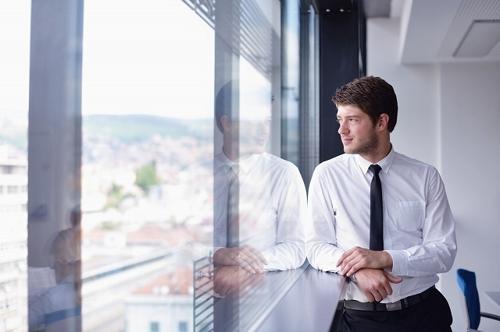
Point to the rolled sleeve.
(321, 246)
(289, 249)
(400, 260)
(437, 252)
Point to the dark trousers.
(432, 314)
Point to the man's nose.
(342, 128)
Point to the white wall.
(450, 117)
(416, 87)
(470, 167)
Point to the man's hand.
(231, 280)
(376, 284)
(358, 258)
(245, 257)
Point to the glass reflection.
(260, 204)
(260, 198)
(143, 136)
(54, 277)
(54, 303)
(234, 280)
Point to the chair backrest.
(467, 283)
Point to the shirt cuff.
(332, 265)
(327, 261)
(266, 266)
(399, 262)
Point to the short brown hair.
(372, 95)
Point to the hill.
(137, 128)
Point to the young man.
(382, 219)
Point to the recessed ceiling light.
(479, 40)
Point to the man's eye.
(353, 120)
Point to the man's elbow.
(312, 255)
(448, 258)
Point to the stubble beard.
(370, 145)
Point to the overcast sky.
(139, 57)
(14, 57)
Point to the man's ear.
(383, 121)
(225, 123)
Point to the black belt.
(394, 306)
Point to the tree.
(146, 177)
(115, 196)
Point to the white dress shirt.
(419, 230)
(272, 208)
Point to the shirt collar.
(244, 164)
(385, 163)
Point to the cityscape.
(139, 233)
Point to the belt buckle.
(394, 306)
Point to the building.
(164, 304)
(13, 248)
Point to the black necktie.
(376, 211)
(232, 226)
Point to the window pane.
(125, 198)
(154, 327)
(14, 69)
(147, 105)
(259, 197)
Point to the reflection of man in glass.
(58, 305)
(260, 199)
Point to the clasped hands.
(234, 280)
(237, 270)
(366, 267)
(246, 257)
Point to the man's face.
(356, 130)
(254, 135)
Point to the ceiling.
(436, 31)
(450, 31)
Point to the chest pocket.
(410, 216)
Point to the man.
(56, 304)
(381, 219)
(260, 199)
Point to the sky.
(152, 57)
(14, 57)
(146, 57)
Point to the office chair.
(467, 283)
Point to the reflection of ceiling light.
(341, 10)
(479, 40)
(328, 10)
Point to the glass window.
(14, 97)
(183, 327)
(147, 149)
(154, 327)
(155, 150)
(259, 197)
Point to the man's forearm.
(358, 258)
(422, 260)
